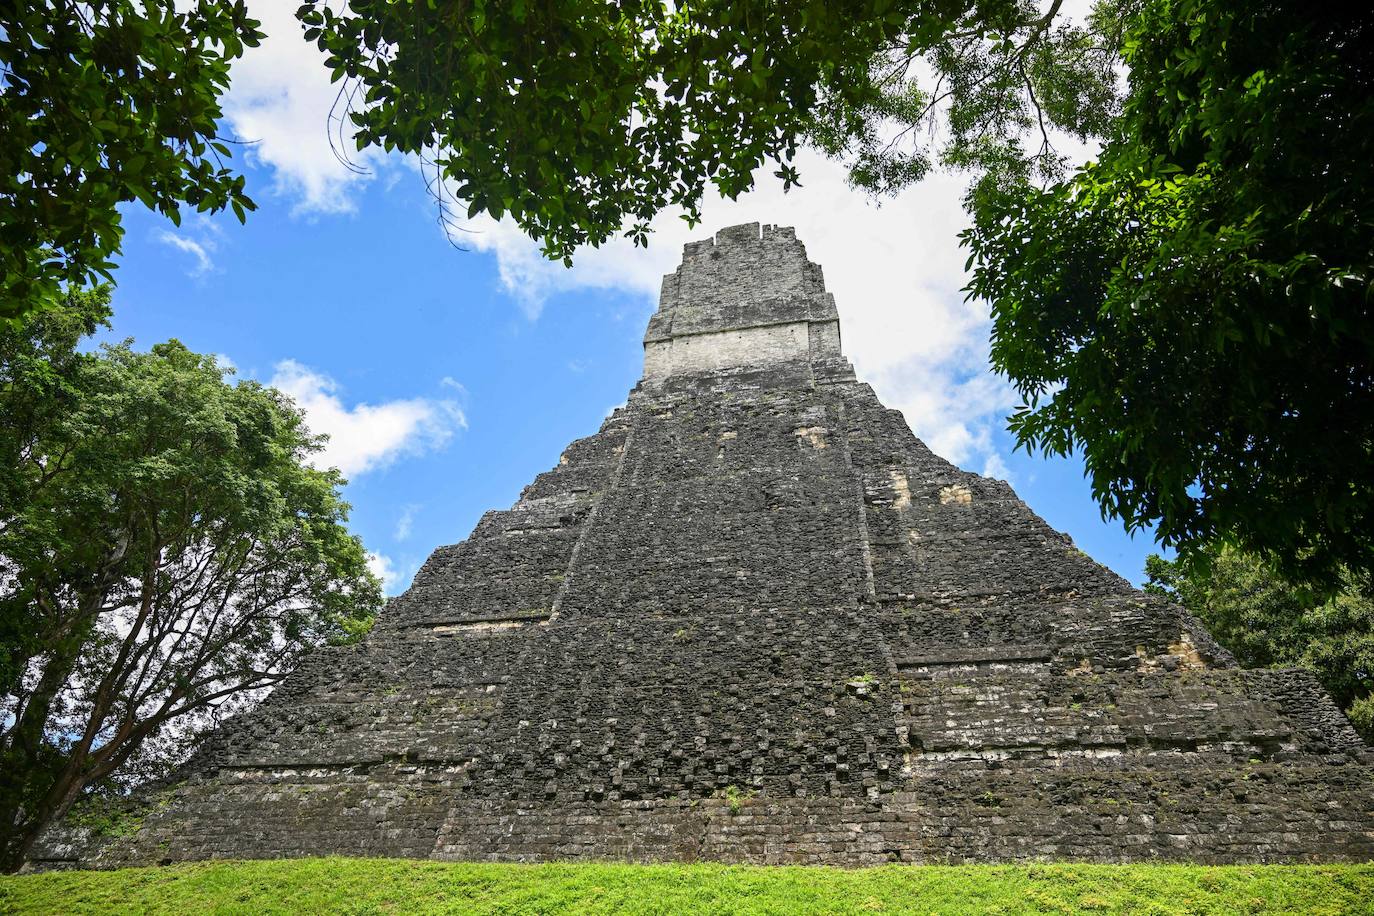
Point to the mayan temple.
(754, 619)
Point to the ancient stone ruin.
(754, 619)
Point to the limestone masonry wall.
(749, 298)
(754, 619)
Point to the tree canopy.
(165, 548)
(1192, 311)
(1266, 621)
(105, 102)
(582, 119)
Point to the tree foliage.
(105, 102)
(1266, 621)
(578, 118)
(1192, 311)
(990, 95)
(164, 548)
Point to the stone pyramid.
(754, 619)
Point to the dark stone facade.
(754, 619)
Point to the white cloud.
(997, 468)
(366, 437)
(406, 522)
(381, 566)
(396, 577)
(279, 100)
(198, 250)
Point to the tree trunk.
(23, 762)
(22, 752)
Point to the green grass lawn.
(361, 886)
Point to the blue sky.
(449, 378)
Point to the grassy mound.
(358, 886)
